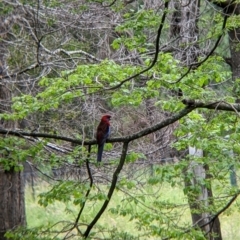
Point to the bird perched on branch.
(103, 131)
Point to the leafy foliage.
(130, 59)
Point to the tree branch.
(228, 6)
(190, 106)
(198, 64)
(111, 189)
(128, 138)
(220, 105)
(88, 191)
(156, 51)
(213, 218)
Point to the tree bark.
(12, 205)
(234, 38)
(203, 200)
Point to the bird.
(103, 131)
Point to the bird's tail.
(100, 152)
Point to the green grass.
(58, 211)
(230, 223)
(38, 216)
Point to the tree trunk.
(234, 38)
(199, 201)
(12, 210)
(12, 206)
(184, 25)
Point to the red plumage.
(103, 131)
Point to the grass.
(38, 216)
(58, 211)
(230, 224)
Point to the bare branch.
(191, 105)
(111, 189)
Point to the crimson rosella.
(103, 131)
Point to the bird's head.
(106, 118)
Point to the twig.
(90, 187)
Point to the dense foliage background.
(168, 73)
